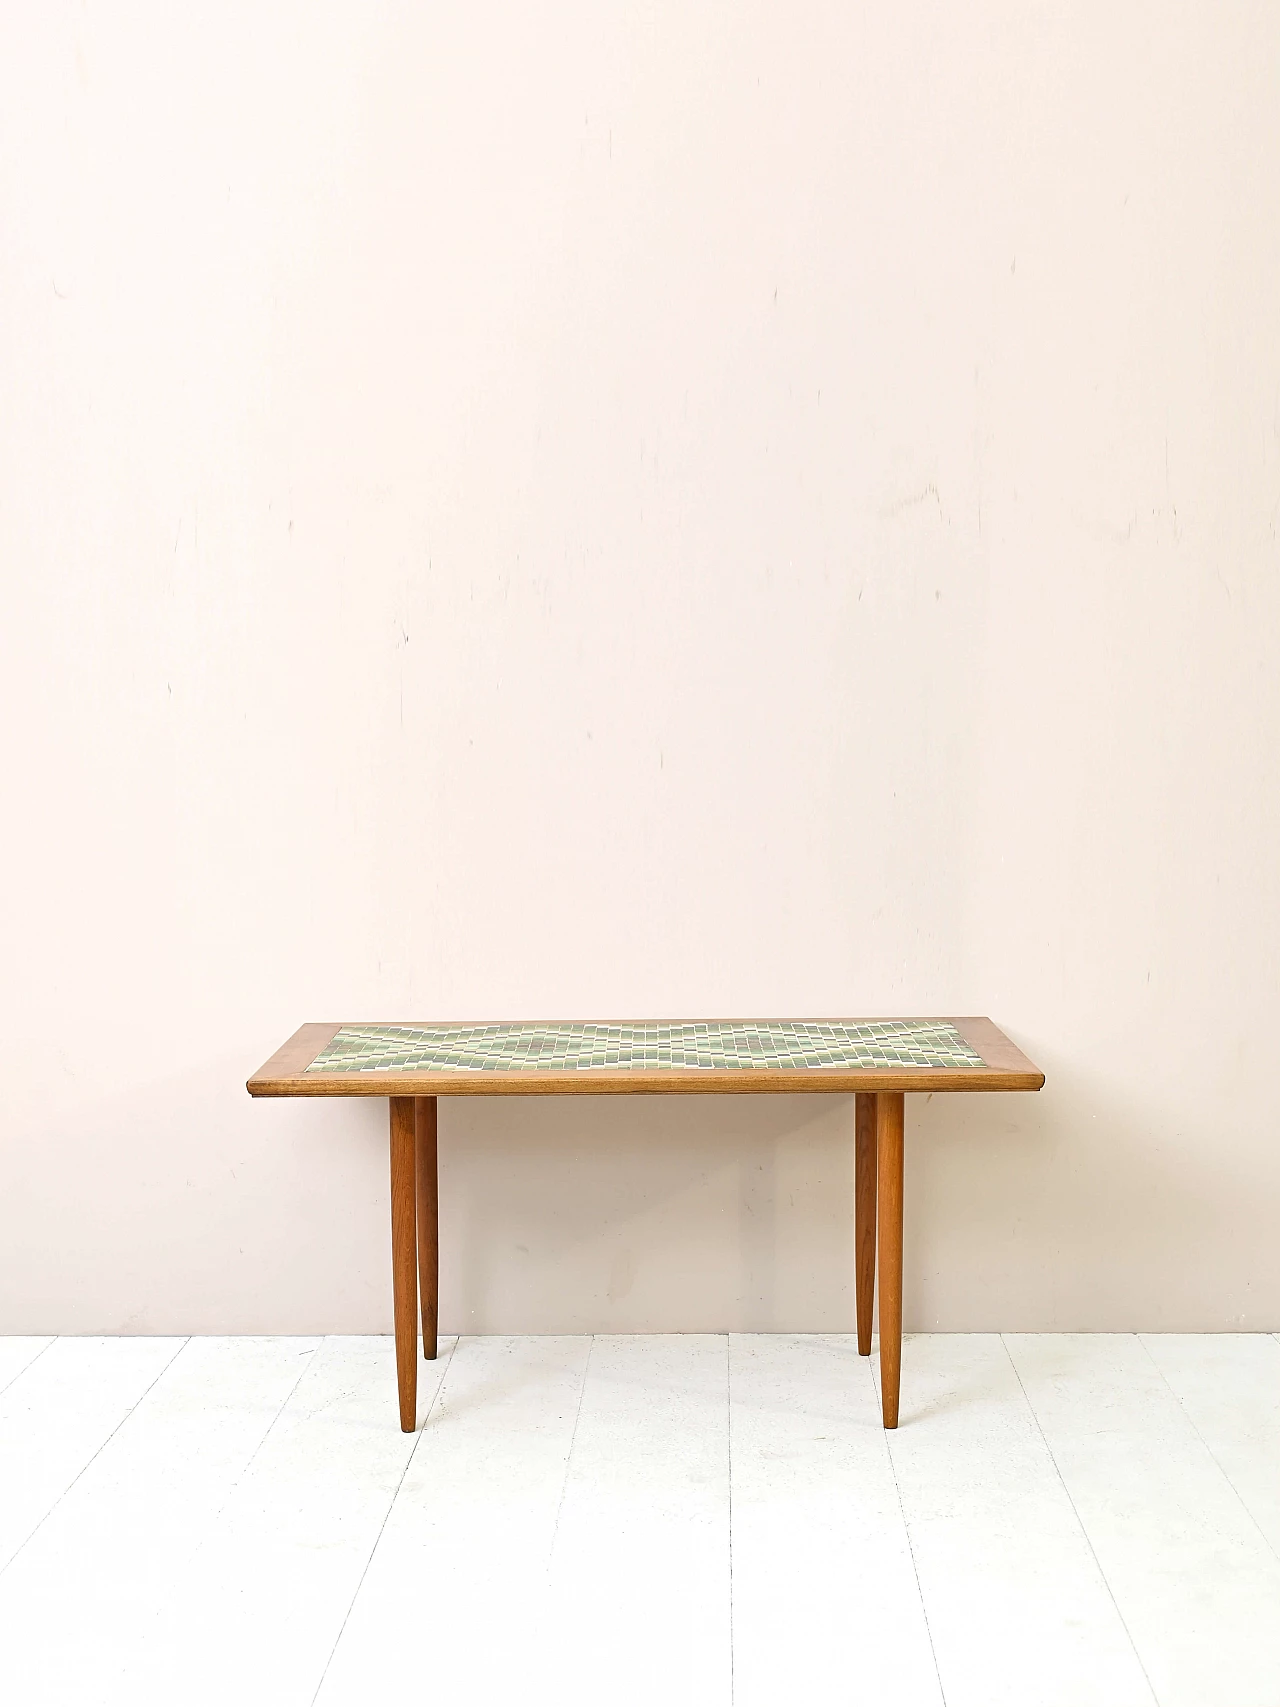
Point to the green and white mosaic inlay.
(653, 1046)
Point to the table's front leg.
(404, 1257)
(889, 1147)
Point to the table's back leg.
(864, 1213)
(428, 1224)
(889, 1132)
(404, 1258)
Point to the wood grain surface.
(404, 1256)
(889, 1170)
(864, 1214)
(428, 1182)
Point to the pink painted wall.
(629, 510)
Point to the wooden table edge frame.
(879, 1157)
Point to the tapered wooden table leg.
(864, 1212)
(404, 1258)
(428, 1224)
(889, 1134)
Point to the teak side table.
(875, 1061)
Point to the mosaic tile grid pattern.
(657, 1045)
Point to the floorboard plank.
(1229, 1386)
(826, 1606)
(1197, 1584)
(640, 1590)
(122, 1537)
(57, 1415)
(1017, 1606)
(460, 1570)
(17, 1353)
(276, 1575)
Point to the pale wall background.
(618, 510)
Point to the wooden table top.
(559, 1058)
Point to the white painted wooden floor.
(1075, 1519)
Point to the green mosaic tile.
(654, 1046)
